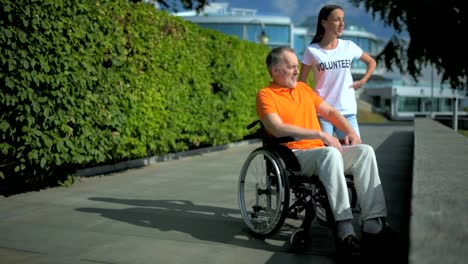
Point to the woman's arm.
(305, 69)
(371, 64)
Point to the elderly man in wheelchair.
(304, 156)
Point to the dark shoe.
(384, 237)
(383, 246)
(349, 248)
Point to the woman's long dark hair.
(323, 15)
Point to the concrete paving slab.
(177, 211)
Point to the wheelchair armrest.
(254, 123)
(268, 139)
(279, 140)
(257, 134)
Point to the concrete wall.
(439, 204)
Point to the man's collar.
(274, 85)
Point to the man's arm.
(338, 120)
(275, 125)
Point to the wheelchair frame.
(268, 177)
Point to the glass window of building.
(445, 104)
(278, 34)
(408, 104)
(427, 105)
(230, 29)
(300, 43)
(364, 44)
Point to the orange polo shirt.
(294, 106)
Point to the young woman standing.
(330, 59)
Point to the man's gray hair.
(275, 56)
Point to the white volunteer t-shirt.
(332, 73)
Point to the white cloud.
(288, 7)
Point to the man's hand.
(351, 139)
(330, 141)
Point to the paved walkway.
(179, 211)
(439, 201)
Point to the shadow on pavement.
(224, 225)
(395, 159)
(208, 223)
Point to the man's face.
(285, 73)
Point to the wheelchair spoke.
(261, 193)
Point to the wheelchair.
(272, 189)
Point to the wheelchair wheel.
(263, 192)
(299, 241)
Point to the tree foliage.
(86, 83)
(435, 29)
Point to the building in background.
(394, 96)
(244, 23)
(405, 101)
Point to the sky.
(299, 10)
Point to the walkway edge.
(137, 163)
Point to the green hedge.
(98, 82)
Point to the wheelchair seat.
(272, 188)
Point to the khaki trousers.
(331, 165)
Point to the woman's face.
(334, 24)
